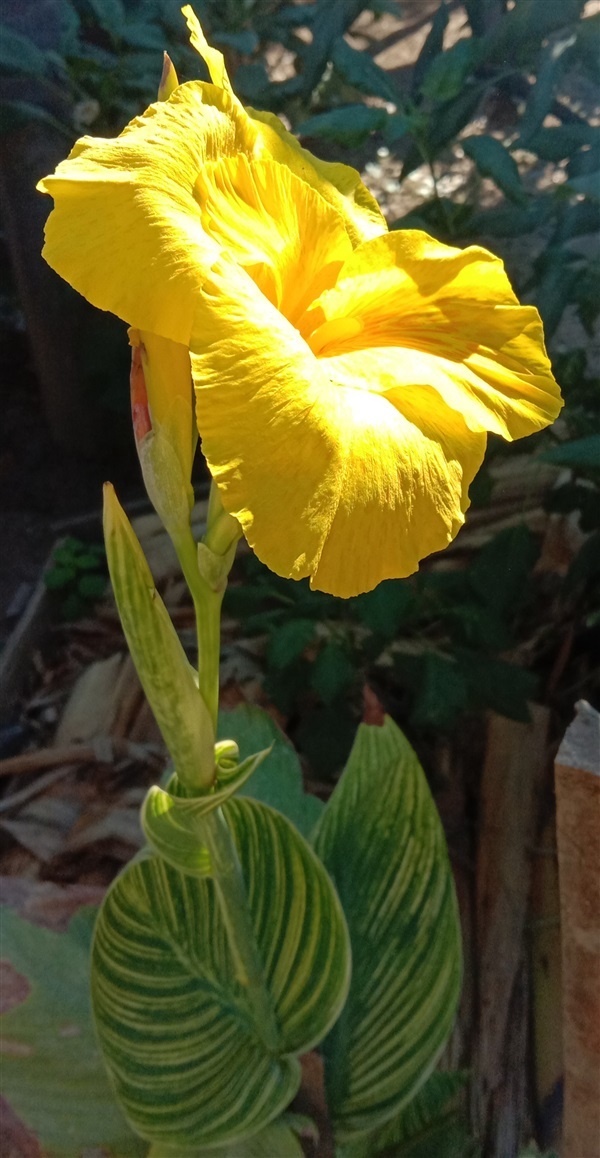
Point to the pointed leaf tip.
(169, 80)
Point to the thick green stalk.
(207, 607)
(231, 890)
(206, 576)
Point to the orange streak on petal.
(140, 410)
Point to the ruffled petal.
(338, 183)
(214, 60)
(327, 480)
(453, 323)
(289, 239)
(127, 228)
(362, 214)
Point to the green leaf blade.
(278, 780)
(55, 1049)
(380, 838)
(350, 125)
(177, 1029)
(495, 162)
(358, 70)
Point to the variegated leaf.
(381, 839)
(276, 1141)
(186, 1056)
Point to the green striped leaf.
(52, 1072)
(425, 1112)
(381, 839)
(178, 1034)
(276, 1141)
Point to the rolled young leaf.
(172, 823)
(161, 663)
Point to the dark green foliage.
(494, 161)
(581, 454)
(78, 575)
(436, 644)
(350, 126)
(358, 70)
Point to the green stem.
(207, 608)
(208, 632)
(222, 533)
(231, 891)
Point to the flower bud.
(165, 674)
(164, 427)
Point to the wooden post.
(513, 775)
(577, 774)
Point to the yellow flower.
(345, 376)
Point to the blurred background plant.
(78, 575)
(479, 121)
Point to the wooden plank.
(513, 772)
(577, 778)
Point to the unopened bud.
(164, 428)
(165, 674)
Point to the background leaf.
(432, 46)
(494, 161)
(53, 1075)
(350, 125)
(289, 640)
(580, 453)
(447, 73)
(278, 780)
(358, 70)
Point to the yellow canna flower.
(345, 376)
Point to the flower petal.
(363, 216)
(338, 183)
(127, 229)
(292, 242)
(327, 480)
(459, 325)
(213, 59)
